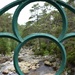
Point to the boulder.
(25, 71)
(5, 72)
(37, 65)
(20, 58)
(55, 66)
(47, 63)
(33, 67)
(52, 60)
(49, 74)
(4, 59)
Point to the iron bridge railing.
(16, 36)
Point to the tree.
(5, 23)
(35, 12)
(6, 44)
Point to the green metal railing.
(16, 36)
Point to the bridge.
(16, 36)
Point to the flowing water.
(41, 70)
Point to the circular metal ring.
(26, 2)
(39, 35)
(8, 35)
(67, 36)
(9, 6)
(72, 9)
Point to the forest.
(46, 21)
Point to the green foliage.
(54, 27)
(71, 57)
(42, 23)
(46, 52)
(46, 49)
(43, 45)
(70, 49)
(5, 23)
(7, 46)
(3, 46)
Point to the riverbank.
(40, 69)
(29, 64)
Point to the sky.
(24, 14)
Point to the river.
(27, 56)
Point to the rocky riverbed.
(29, 64)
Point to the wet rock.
(25, 66)
(23, 63)
(55, 66)
(35, 61)
(20, 58)
(5, 72)
(52, 60)
(11, 68)
(26, 71)
(37, 65)
(47, 63)
(65, 73)
(33, 67)
(34, 73)
(46, 57)
(29, 64)
(4, 59)
(49, 74)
